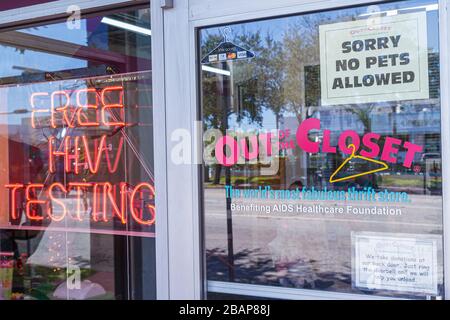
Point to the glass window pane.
(322, 153)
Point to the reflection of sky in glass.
(15, 62)
(91, 32)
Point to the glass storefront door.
(77, 219)
(322, 153)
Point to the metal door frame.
(57, 10)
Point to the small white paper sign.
(374, 60)
(403, 264)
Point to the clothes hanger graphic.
(384, 166)
(227, 50)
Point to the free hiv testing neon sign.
(85, 180)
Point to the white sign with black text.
(374, 60)
(402, 263)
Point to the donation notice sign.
(374, 60)
(405, 263)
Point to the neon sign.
(104, 196)
(72, 155)
(90, 192)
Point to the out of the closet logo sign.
(228, 149)
(76, 156)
